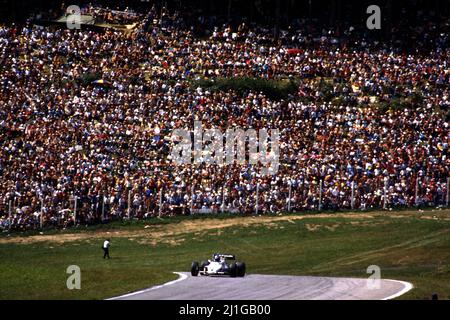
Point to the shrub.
(88, 77)
(274, 89)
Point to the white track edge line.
(182, 277)
(408, 286)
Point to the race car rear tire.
(195, 269)
(233, 270)
(240, 269)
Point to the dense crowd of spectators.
(120, 17)
(102, 148)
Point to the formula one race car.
(218, 266)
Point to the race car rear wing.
(228, 256)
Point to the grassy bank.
(407, 246)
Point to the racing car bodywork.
(219, 266)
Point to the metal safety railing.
(293, 195)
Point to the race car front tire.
(195, 269)
(203, 265)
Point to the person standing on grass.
(105, 248)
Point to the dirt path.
(165, 232)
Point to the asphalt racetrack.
(270, 287)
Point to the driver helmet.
(216, 257)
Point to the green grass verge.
(408, 248)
